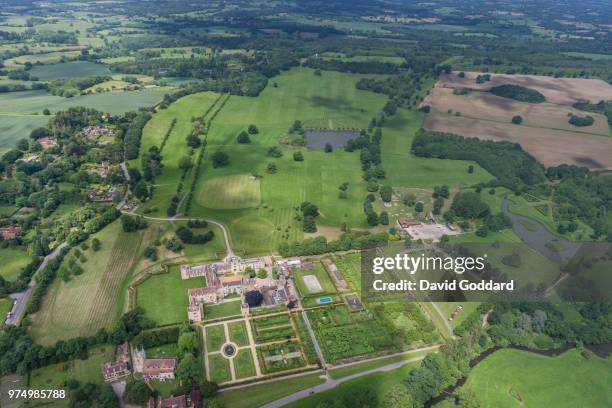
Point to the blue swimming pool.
(324, 300)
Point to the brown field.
(484, 105)
(564, 91)
(550, 147)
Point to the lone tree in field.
(274, 151)
(517, 120)
(298, 156)
(271, 168)
(253, 130)
(328, 148)
(220, 159)
(244, 138)
(471, 169)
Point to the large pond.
(317, 139)
(536, 236)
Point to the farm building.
(335, 273)
(10, 232)
(115, 370)
(159, 368)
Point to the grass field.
(164, 297)
(230, 192)
(15, 127)
(13, 262)
(331, 101)
(243, 363)
(447, 309)
(380, 383)
(176, 147)
(262, 394)
(369, 365)
(219, 368)
(512, 378)
(68, 70)
(238, 333)
(91, 301)
(215, 337)
(56, 376)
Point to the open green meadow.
(230, 192)
(175, 148)
(330, 101)
(405, 170)
(447, 309)
(65, 70)
(13, 262)
(90, 301)
(15, 127)
(513, 378)
(164, 296)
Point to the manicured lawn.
(238, 333)
(259, 395)
(210, 251)
(225, 309)
(90, 301)
(215, 337)
(165, 388)
(243, 364)
(164, 351)
(13, 262)
(164, 297)
(511, 378)
(219, 368)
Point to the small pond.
(317, 139)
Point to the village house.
(47, 143)
(10, 232)
(115, 370)
(104, 194)
(120, 366)
(159, 368)
(192, 400)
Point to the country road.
(226, 235)
(21, 299)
